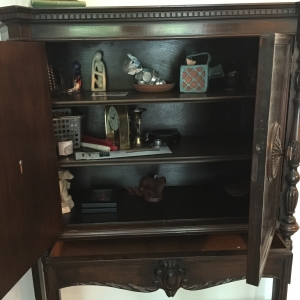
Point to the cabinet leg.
(38, 281)
(52, 290)
(288, 224)
(280, 289)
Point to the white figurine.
(66, 200)
(98, 82)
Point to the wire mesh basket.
(67, 126)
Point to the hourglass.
(136, 116)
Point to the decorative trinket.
(98, 82)
(132, 66)
(231, 76)
(65, 146)
(77, 79)
(194, 76)
(150, 188)
(250, 75)
(64, 185)
(56, 82)
(136, 117)
(117, 126)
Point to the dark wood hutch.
(198, 236)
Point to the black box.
(101, 200)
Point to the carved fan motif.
(275, 150)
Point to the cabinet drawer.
(151, 246)
(147, 264)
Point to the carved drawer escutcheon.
(169, 276)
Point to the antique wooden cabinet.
(242, 132)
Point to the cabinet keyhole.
(21, 166)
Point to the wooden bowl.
(159, 88)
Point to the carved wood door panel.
(269, 128)
(30, 217)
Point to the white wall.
(23, 290)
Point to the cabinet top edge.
(139, 13)
(160, 7)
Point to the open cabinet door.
(269, 128)
(30, 213)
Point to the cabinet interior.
(216, 130)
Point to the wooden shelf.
(183, 210)
(135, 97)
(89, 227)
(191, 149)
